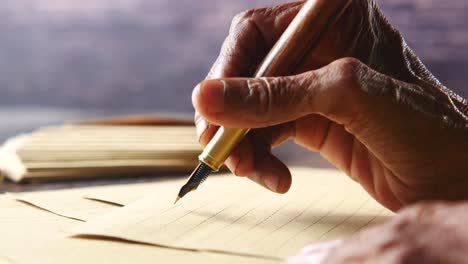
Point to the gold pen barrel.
(300, 37)
(220, 146)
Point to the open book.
(96, 149)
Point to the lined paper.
(66, 203)
(31, 236)
(233, 215)
(128, 193)
(86, 203)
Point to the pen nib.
(177, 199)
(197, 177)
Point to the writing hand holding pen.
(361, 98)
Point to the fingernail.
(232, 162)
(272, 182)
(212, 95)
(201, 124)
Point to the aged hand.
(361, 98)
(423, 233)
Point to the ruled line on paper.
(209, 218)
(309, 226)
(343, 221)
(210, 202)
(372, 220)
(258, 223)
(307, 208)
(248, 220)
(177, 208)
(235, 220)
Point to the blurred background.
(70, 59)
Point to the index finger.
(251, 36)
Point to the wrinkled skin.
(427, 233)
(368, 105)
(362, 99)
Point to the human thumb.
(250, 103)
(261, 102)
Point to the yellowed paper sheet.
(231, 214)
(30, 236)
(86, 203)
(126, 194)
(66, 203)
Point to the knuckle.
(306, 83)
(264, 14)
(293, 92)
(349, 71)
(239, 19)
(270, 96)
(345, 79)
(259, 95)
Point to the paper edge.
(201, 249)
(11, 165)
(41, 207)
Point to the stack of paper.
(77, 151)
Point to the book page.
(233, 215)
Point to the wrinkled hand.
(423, 233)
(361, 98)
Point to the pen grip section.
(220, 146)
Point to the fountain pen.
(299, 38)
